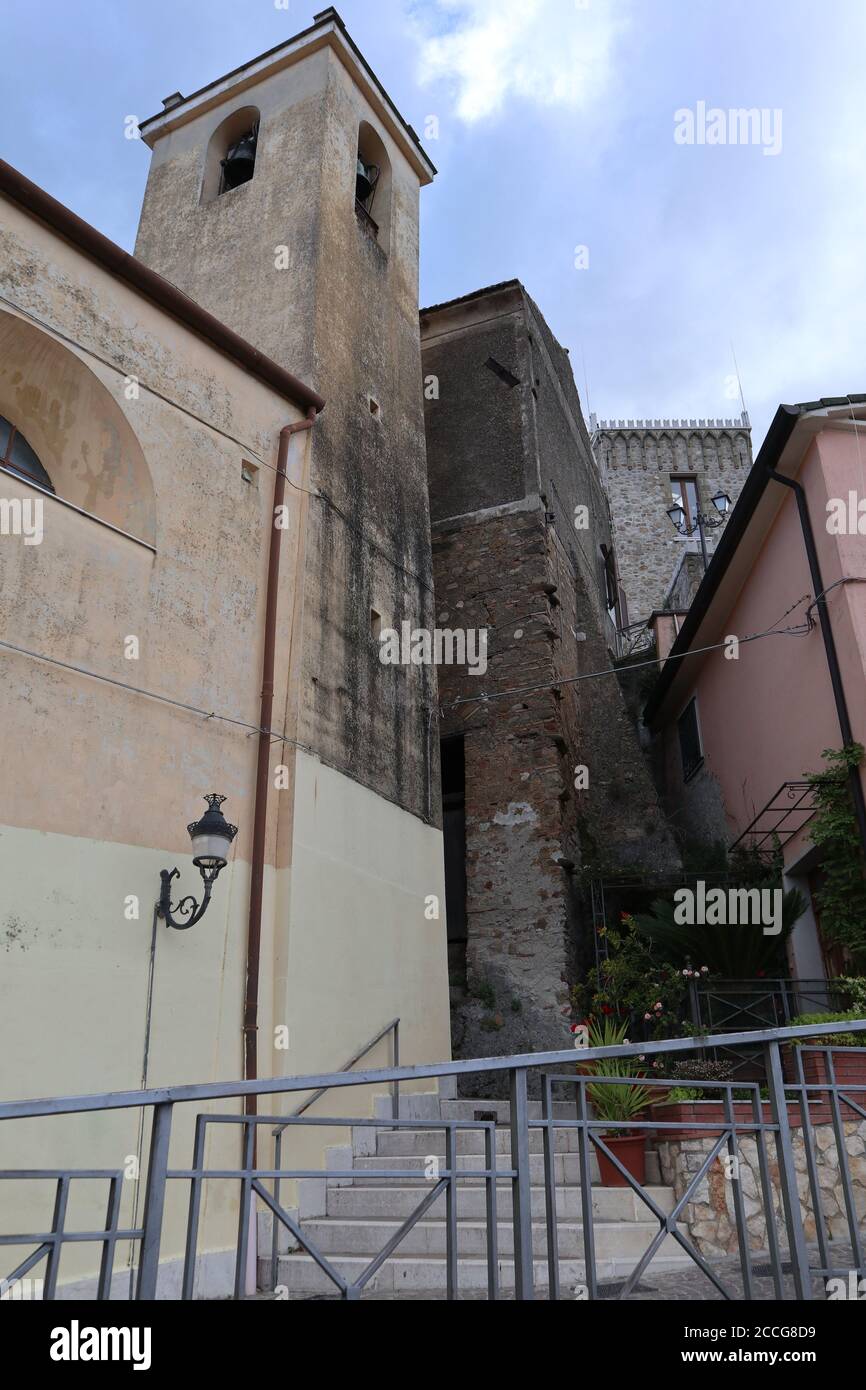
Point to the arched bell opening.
(373, 186)
(232, 153)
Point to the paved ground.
(688, 1285)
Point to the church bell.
(240, 162)
(367, 178)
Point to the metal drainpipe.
(829, 646)
(257, 870)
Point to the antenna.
(739, 379)
(585, 381)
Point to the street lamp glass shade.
(677, 515)
(212, 836)
(722, 502)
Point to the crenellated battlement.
(742, 423)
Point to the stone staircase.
(351, 1220)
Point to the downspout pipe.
(848, 740)
(260, 820)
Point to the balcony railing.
(734, 1006)
(793, 1261)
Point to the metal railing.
(391, 1029)
(637, 637)
(837, 1101)
(719, 1005)
(733, 1006)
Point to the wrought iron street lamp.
(703, 521)
(211, 839)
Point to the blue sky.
(556, 131)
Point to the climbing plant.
(841, 898)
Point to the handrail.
(226, 1090)
(392, 1027)
(277, 1133)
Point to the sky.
(662, 247)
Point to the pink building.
(740, 727)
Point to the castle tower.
(647, 466)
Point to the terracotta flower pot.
(630, 1149)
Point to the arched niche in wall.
(241, 128)
(74, 425)
(377, 204)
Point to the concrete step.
(486, 1109)
(469, 1141)
(613, 1239)
(566, 1168)
(301, 1276)
(397, 1203)
(404, 1148)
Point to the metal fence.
(734, 1006)
(793, 1261)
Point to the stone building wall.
(686, 583)
(509, 462)
(710, 1217)
(637, 459)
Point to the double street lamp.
(211, 837)
(702, 521)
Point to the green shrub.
(841, 897)
(681, 1095)
(699, 1070)
(832, 1039)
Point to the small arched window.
(17, 455)
(231, 154)
(373, 186)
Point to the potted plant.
(620, 1099)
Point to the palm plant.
(733, 952)
(618, 1103)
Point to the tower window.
(691, 752)
(232, 153)
(502, 372)
(685, 494)
(611, 587)
(17, 455)
(373, 186)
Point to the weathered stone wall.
(686, 583)
(637, 459)
(520, 920)
(521, 569)
(710, 1217)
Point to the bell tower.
(284, 198)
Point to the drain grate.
(614, 1290)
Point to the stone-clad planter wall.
(711, 1218)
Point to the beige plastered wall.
(98, 782)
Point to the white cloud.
(550, 52)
